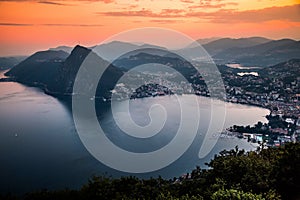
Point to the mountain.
(263, 55)
(55, 71)
(151, 46)
(62, 48)
(39, 68)
(219, 46)
(287, 71)
(207, 40)
(223, 44)
(163, 57)
(64, 81)
(9, 62)
(250, 52)
(109, 51)
(202, 41)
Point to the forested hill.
(238, 175)
(55, 71)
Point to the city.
(276, 88)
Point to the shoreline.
(67, 98)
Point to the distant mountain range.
(254, 51)
(225, 44)
(155, 56)
(263, 55)
(109, 51)
(41, 67)
(55, 70)
(112, 50)
(250, 52)
(9, 62)
(288, 71)
(62, 48)
(202, 41)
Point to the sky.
(27, 26)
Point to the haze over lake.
(40, 147)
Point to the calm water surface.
(40, 148)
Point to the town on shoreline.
(275, 88)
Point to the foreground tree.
(270, 174)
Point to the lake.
(247, 73)
(40, 147)
(239, 66)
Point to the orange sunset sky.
(27, 26)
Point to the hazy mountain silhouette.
(40, 68)
(263, 55)
(67, 73)
(55, 71)
(216, 46)
(67, 49)
(253, 51)
(202, 41)
(163, 57)
(290, 67)
(112, 50)
(223, 44)
(9, 62)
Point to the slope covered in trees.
(264, 174)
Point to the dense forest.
(272, 173)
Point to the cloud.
(131, 13)
(165, 13)
(79, 25)
(56, 1)
(164, 21)
(52, 3)
(286, 13)
(14, 24)
(137, 21)
(75, 25)
(106, 1)
(133, 6)
(200, 1)
(171, 11)
(209, 5)
(129, 6)
(187, 1)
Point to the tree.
(234, 194)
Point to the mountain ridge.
(10, 61)
(56, 77)
(227, 43)
(263, 55)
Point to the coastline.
(67, 97)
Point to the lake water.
(247, 73)
(40, 148)
(239, 66)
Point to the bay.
(40, 147)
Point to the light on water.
(41, 149)
(247, 73)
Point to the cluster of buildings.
(276, 90)
(150, 84)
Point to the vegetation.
(238, 175)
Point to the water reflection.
(39, 146)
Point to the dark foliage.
(267, 174)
